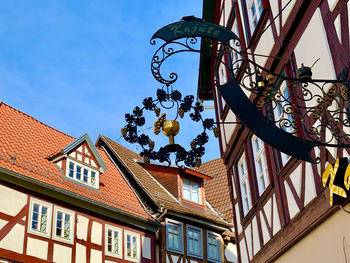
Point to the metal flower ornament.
(167, 99)
(292, 113)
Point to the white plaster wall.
(62, 254)
(82, 226)
(14, 239)
(238, 219)
(96, 256)
(264, 46)
(229, 128)
(310, 188)
(276, 218)
(275, 10)
(2, 223)
(80, 254)
(292, 205)
(96, 233)
(311, 46)
(231, 252)
(243, 250)
(264, 229)
(37, 248)
(287, 10)
(256, 239)
(2, 260)
(15, 200)
(296, 178)
(248, 237)
(146, 247)
(329, 242)
(228, 7)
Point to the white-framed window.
(244, 183)
(113, 241)
(191, 191)
(213, 247)
(63, 225)
(261, 169)
(194, 241)
(234, 56)
(132, 246)
(281, 112)
(174, 236)
(40, 215)
(255, 8)
(82, 173)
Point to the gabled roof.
(85, 137)
(217, 190)
(25, 144)
(152, 187)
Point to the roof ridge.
(31, 117)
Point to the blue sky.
(80, 65)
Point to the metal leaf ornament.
(170, 128)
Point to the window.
(213, 247)
(234, 57)
(194, 242)
(244, 184)
(282, 112)
(262, 175)
(255, 9)
(174, 240)
(82, 173)
(63, 229)
(132, 246)
(191, 191)
(40, 218)
(113, 241)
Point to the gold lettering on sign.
(196, 28)
(333, 189)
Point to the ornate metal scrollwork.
(167, 98)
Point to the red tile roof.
(25, 145)
(154, 188)
(217, 190)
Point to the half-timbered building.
(192, 230)
(62, 199)
(281, 209)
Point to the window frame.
(48, 217)
(138, 246)
(72, 225)
(259, 154)
(181, 239)
(83, 167)
(189, 253)
(120, 241)
(199, 194)
(259, 9)
(246, 177)
(218, 239)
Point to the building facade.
(63, 199)
(191, 229)
(282, 210)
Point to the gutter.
(199, 221)
(77, 200)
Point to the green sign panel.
(194, 28)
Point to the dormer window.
(82, 173)
(80, 161)
(191, 191)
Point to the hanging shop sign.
(337, 178)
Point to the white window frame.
(119, 254)
(192, 184)
(218, 239)
(260, 162)
(41, 203)
(234, 56)
(190, 253)
(244, 184)
(138, 246)
(69, 240)
(279, 113)
(83, 166)
(258, 6)
(170, 222)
